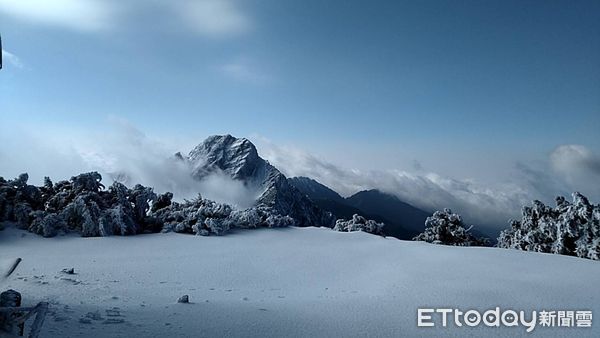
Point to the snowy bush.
(568, 229)
(46, 224)
(87, 182)
(445, 227)
(21, 213)
(83, 205)
(249, 218)
(359, 223)
(278, 221)
(80, 204)
(117, 220)
(203, 217)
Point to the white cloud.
(490, 205)
(82, 15)
(577, 164)
(209, 18)
(11, 58)
(214, 18)
(119, 151)
(128, 152)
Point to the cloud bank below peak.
(577, 164)
(569, 169)
(123, 152)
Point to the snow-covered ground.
(285, 282)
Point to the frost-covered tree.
(80, 204)
(83, 205)
(248, 219)
(274, 220)
(359, 223)
(46, 224)
(445, 227)
(568, 229)
(204, 217)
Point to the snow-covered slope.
(286, 282)
(238, 158)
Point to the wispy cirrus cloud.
(81, 15)
(208, 18)
(214, 18)
(12, 59)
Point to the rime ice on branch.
(359, 223)
(571, 228)
(83, 205)
(445, 227)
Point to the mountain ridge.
(239, 159)
(402, 220)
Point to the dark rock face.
(10, 298)
(401, 219)
(185, 299)
(239, 159)
(315, 190)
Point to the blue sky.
(466, 89)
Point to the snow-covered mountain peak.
(236, 157)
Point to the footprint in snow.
(114, 312)
(94, 315)
(84, 320)
(71, 280)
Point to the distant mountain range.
(401, 220)
(304, 199)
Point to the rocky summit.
(239, 159)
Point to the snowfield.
(287, 282)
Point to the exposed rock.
(185, 299)
(68, 271)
